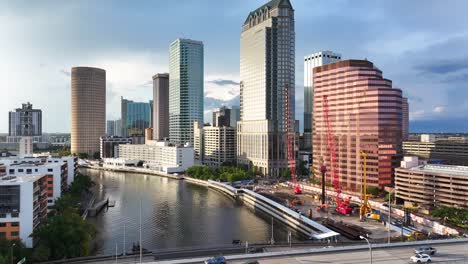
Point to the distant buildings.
(358, 122)
(136, 117)
(161, 106)
(235, 116)
(446, 150)
(267, 82)
(159, 155)
(431, 185)
(405, 116)
(222, 117)
(185, 89)
(310, 62)
(88, 96)
(114, 128)
(109, 146)
(25, 121)
(214, 146)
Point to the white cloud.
(224, 92)
(439, 109)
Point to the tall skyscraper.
(185, 89)
(267, 84)
(310, 62)
(25, 121)
(161, 106)
(235, 116)
(110, 128)
(88, 101)
(365, 115)
(222, 117)
(405, 113)
(136, 117)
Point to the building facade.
(431, 185)
(453, 152)
(109, 146)
(186, 66)
(88, 104)
(365, 114)
(405, 114)
(161, 106)
(310, 62)
(267, 85)
(222, 117)
(110, 128)
(25, 121)
(136, 117)
(160, 155)
(214, 146)
(235, 116)
(23, 206)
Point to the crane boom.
(290, 142)
(341, 204)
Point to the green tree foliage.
(301, 168)
(83, 155)
(223, 173)
(455, 216)
(372, 190)
(16, 247)
(286, 174)
(96, 155)
(65, 234)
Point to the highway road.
(390, 256)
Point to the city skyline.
(412, 52)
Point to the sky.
(421, 45)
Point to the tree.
(65, 235)
(19, 250)
(83, 155)
(286, 174)
(372, 190)
(301, 168)
(97, 155)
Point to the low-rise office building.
(214, 145)
(23, 206)
(109, 146)
(453, 152)
(160, 155)
(431, 185)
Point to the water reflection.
(175, 214)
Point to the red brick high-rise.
(365, 112)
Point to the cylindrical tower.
(88, 101)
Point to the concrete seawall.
(296, 221)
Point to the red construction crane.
(341, 204)
(290, 142)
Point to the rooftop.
(20, 179)
(443, 169)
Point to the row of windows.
(13, 234)
(12, 224)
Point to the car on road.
(420, 258)
(425, 250)
(216, 260)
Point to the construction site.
(354, 220)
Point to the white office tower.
(310, 62)
(267, 83)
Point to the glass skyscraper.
(267, 82)
(136, 116)
(185, 89)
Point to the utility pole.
(141, 244)
(272, 241)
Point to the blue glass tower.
(136, 117)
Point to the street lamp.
(11, 253)
(370, 246)
(389, 214)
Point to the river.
(175, 214)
